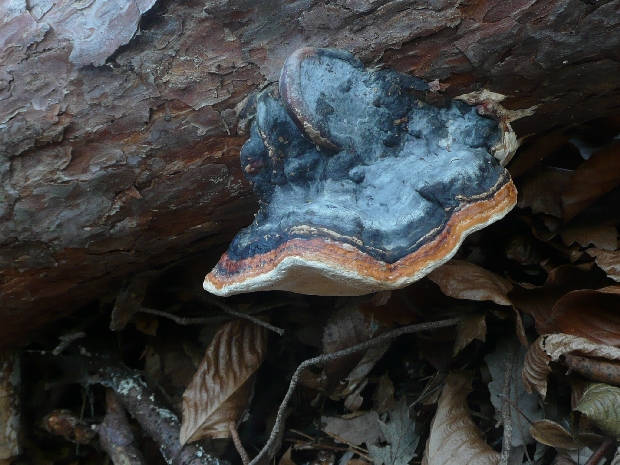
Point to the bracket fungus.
(362, 185)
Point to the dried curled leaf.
(221, 388)
(591, 314)
(596, 176)
(550, 348)
(536, 368)
(454, 438)
(464, 280)
(538, 302)
(541, 189)
(601, 404)
(604, 237)
(608, 261)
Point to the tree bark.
(119, 121)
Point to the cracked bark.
(119, 134)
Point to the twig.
(231, 311)
(506, 404)
(115, 434)
(300, 444)
(245, 458)
(253, 319)
(260, 308)
(158, 422)
(600, 452)
(302, 434)
(358, 450)
(183, 320)
(336, 355)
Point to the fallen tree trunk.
(119, 122)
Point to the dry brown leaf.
(538, 302)
(454, 438)
(389, 307)
(603, 237)
(552, 434)
(286, 458)
(383, 398)
(536, 368)
(177, 368)
(129, 300)
(535, 149)
(364, 366)
(464, 280)
(349, 327)
(525, 249)
(596, 176)
(594, 369)
(346, 328)
(609, 262)
(553, 346)
(363, 429)
(541, 189)
(221, 388)
(353, 400)
(592, 314)
(471, 327)
(146, 323)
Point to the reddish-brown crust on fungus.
(338, 255)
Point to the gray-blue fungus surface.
(353, 162)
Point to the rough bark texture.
(118, 120)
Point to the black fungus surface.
(402, 167)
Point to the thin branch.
(299, 444)
(115, 434)
(302, 434)
(600, 452)
(231, 311)
(259, 308)
(245, 458)
(183, 320)
(157, 421)
(336, 355)
(506, 404)
(358, 450)
(254, 320)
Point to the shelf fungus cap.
(362, 185)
